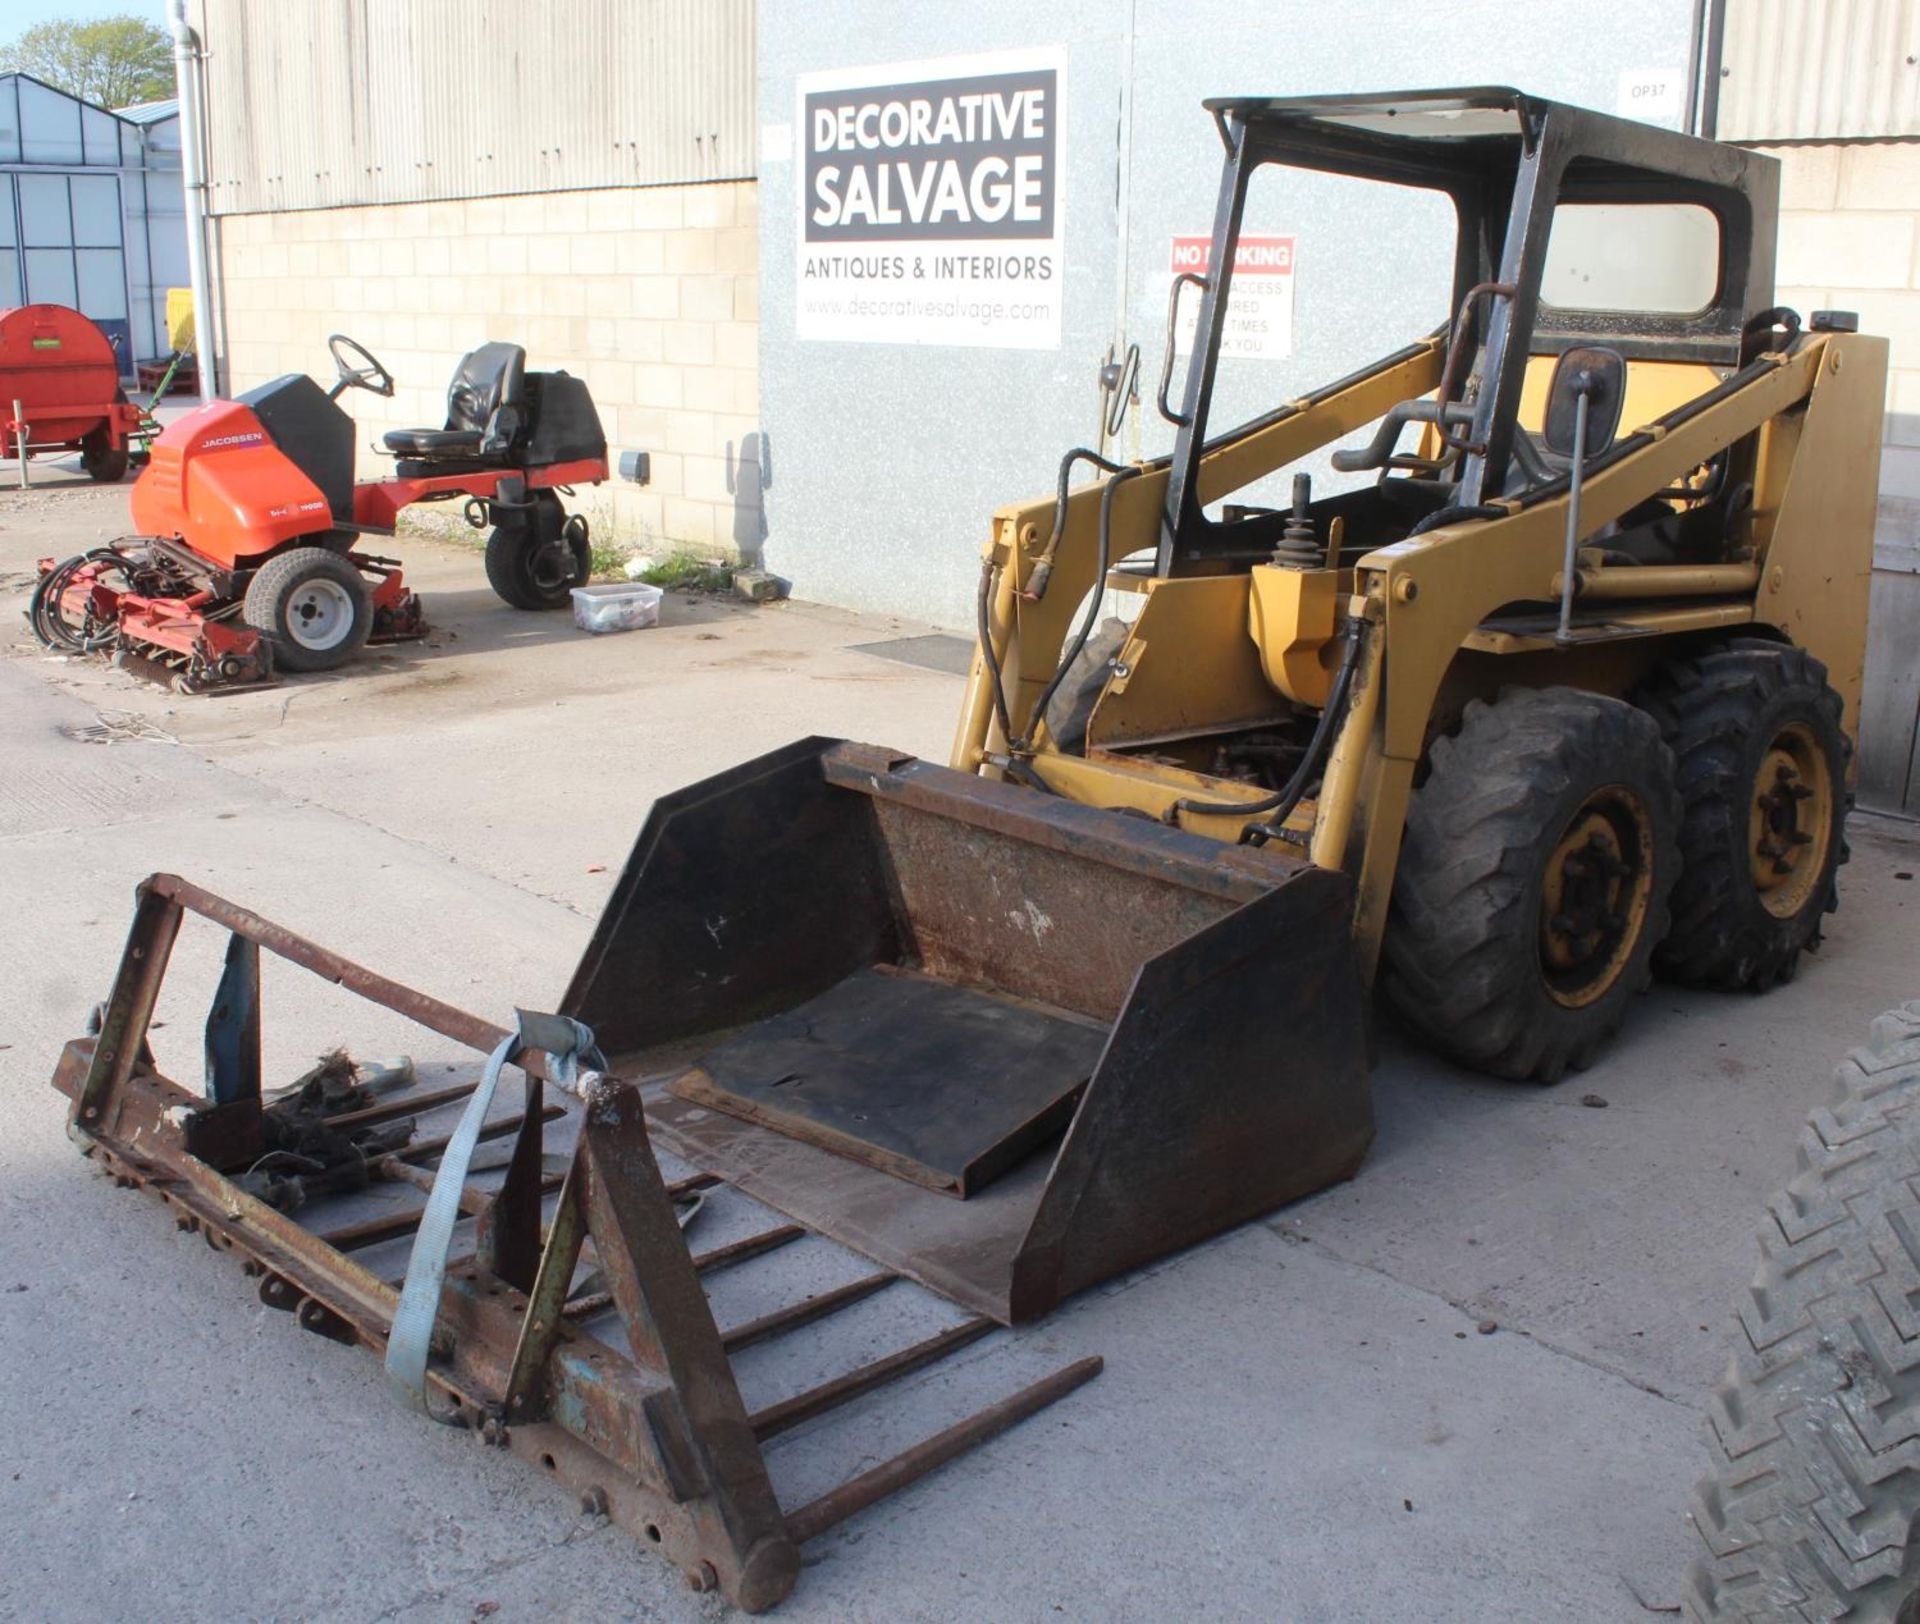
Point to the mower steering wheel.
(371, 376)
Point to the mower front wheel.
(313, 607)
(538, 556)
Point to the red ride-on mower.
(250, 518)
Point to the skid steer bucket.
(1004, 1045)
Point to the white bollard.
(20, 442)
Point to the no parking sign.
(1259, 323)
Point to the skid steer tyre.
(1533, 881)
(1762, 767)
(1071, 709)
(534, 561)
(1810, 1510)
(313, 607)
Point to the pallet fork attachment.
(655, 1434)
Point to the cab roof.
(1433, 137)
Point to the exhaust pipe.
(187, 55)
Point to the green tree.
(114, 62)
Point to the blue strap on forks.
(568, 1046)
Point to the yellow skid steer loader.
(1507, 715)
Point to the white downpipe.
(193, 175)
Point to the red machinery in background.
(60, 390)
(251, 520)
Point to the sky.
(16, 16)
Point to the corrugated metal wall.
(1820, 70)
(320, 103)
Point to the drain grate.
(934, 651)
(116, 727)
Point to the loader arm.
(1806, 578)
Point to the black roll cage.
(1505, 187)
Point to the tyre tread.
(1703, 704)
(1465, 876)
(260, 607)
(1815, 1429)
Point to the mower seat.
(485, 410)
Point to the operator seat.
(485, 410)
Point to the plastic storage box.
(620, 606)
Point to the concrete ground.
(1300, 1420)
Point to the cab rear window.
(1640, 257)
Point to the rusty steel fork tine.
(372, 1231)
(805, 1312)
(707, 1262)
(857, 1493)
(790, 1412)
(420, 1148)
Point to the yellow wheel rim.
(1790, 821)
(1593, 896)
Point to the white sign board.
(1259, 323)
(1654, 96)
(931, 203)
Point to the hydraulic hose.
(1024, 771)
(1283, 801)
(996, 686)
(1126, 384)
(1036, 589)
(1098, 597)
(1455, 514)
(44, 614)
(1042, 572)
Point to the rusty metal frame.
(654, 1434)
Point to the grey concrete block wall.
(646, 292)
(888, 460)
(1850, 240)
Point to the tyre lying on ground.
(1810, 1510)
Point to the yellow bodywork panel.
(1654, 388)
(1188, 667)
(1099, 779)
(1293, 616)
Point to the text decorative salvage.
(944, 160)
(943, 187)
